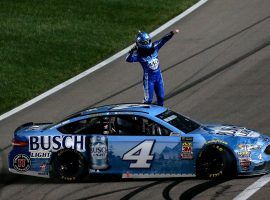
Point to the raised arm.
(158, 44)
(132, 55)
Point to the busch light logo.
(42, 154)
(99, 152)
(55, 143)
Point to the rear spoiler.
(23, 126)
(29, 124)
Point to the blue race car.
(136, 141)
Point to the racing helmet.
(143, 40)
(126, 124)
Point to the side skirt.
(130, 175)
(30, 173)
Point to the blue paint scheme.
(166, 150)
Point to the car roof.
(148, 109)
(131, 107)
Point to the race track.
(216, 70)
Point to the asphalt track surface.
(216, 70)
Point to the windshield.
(182, 123)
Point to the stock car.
(136, 141)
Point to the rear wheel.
(214, 162)
(69, 165)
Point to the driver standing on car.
(146, 53)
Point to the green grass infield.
(43, 43)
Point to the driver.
(146, 53)
(108, 125)
(130, 125)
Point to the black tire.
(214, 162)
(69, 165)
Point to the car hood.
(231, 130)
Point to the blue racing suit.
(152, 77)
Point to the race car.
(136, 141)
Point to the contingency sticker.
(245, 163)
(187, 148)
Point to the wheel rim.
(212, 163)
(69, 165)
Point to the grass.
(43, 43)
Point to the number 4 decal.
(141, 154)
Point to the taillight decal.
(19, 143)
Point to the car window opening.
(179, 121)
(115, 125)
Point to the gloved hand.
(175, 31)
(135, 48)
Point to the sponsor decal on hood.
(232, 131)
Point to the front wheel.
(69, 165)
(215, 161)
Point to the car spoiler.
(29, 124)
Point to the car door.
(140, 147)
(90, 130)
